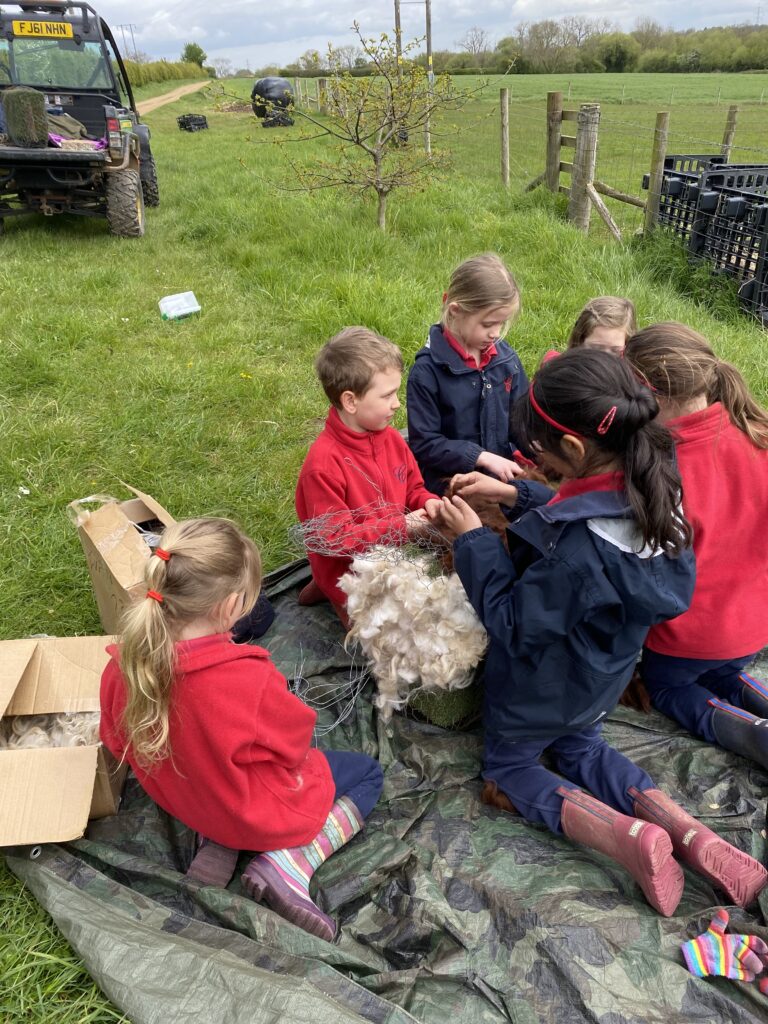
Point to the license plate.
(43, 29)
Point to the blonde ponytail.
(202, 562)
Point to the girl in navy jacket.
(567, 612)
(462, 383)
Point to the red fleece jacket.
(367, 482)
(243, 771)
(725, 497)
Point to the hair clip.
(155, 596)
(162, 553)
(445, 296)
(605, 423)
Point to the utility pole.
(398, 40)
(130, 28)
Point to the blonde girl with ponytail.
(694, 666)
(215, 737)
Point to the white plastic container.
(176, 307)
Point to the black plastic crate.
(731, 225)
(678, 199)
(753, 295)
(192, 122)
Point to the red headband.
(602, 428)
(155, 596)
(161, 553)
(547, 418)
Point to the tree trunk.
(382, 214)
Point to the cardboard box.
(48, 794)
(115, 550)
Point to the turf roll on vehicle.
(83, 149)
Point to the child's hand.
(504, 469)
(432, 507)
(458, 516)
(468, 484)
(416, 523)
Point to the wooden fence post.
(322, 95)
(504, 105)
(584, 160)
(297, 92)
(657, 171)
(728, 134)
(554, 126)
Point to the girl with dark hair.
(567, 612)
(693, 667)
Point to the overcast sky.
(252, 33)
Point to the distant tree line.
(571, 44)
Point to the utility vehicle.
(67, 52)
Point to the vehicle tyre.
(149, 185)
(125, 204)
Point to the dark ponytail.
(597, 398)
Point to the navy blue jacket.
(567, 611)
(456, 411)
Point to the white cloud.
(280, 31)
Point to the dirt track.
(169, 97)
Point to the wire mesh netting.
(409, 614)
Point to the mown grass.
(214, 414)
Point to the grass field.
(214, 414)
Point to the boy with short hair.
(359, 472)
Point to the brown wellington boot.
(645, 850)
(736, 873)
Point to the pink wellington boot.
(645, 850)
(736, 873)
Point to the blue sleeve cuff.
(530, 494)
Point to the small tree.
(477, 43)
(223, 67)
(377, 123)
(194, 54)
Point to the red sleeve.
(417, 495)
(344, 531)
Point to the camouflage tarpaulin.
(450, 911)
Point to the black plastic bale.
(192, 122)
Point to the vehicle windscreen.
(55, 63)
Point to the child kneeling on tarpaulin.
(359, 484)
(215, 737)
(567, 612)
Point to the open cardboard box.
(116, 551)
(48, 794)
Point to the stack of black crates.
(192, 122)
(721, 211)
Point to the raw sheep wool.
(413, 622)
(68, 729)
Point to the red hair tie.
(155, 596)
(161, 553)
(605, 423)
(547, 418)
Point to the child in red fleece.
(215, 737)
(359, 473)
(694, 666)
